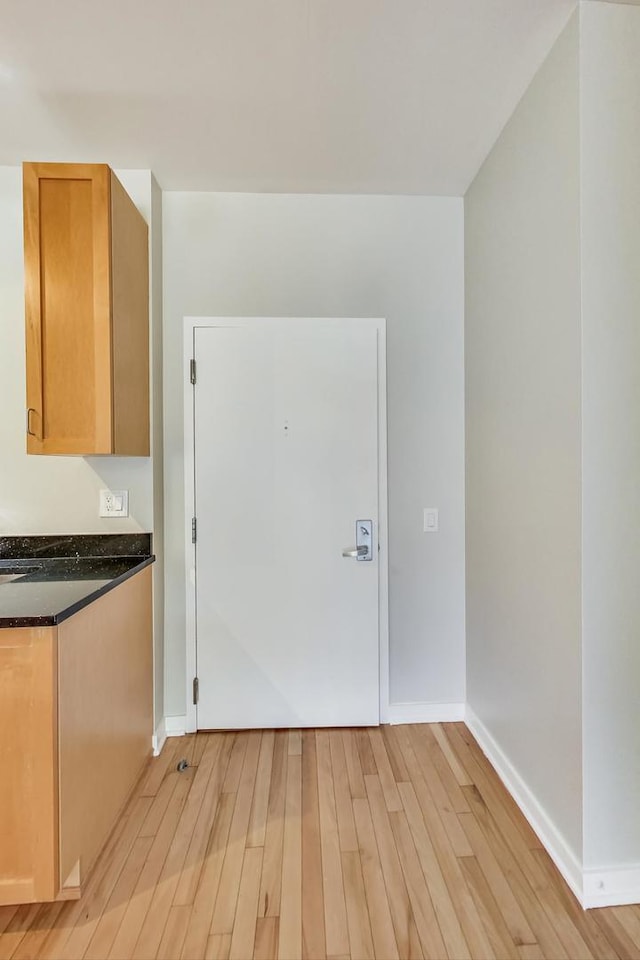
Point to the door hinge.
(192, 371)
(194, 530)
(196, 690)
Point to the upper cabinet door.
(87, 313)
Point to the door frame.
(191, 324)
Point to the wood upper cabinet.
(87, 312)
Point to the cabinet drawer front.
(67, 268)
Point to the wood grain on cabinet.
(130, 297)
(75, 734)
(105, 706)
(87, 312)
(28, 760)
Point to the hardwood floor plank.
(462, 777)
(225, 908)
(404, 925)
(385, 771)
(342, 792)
(88, 910)
(354, 766)
(195, 943)
(6, 916)
(466, 909)
(384, 939)
(195, 858)
(290, 926)
(629, 918)
(583, 920)
(109, 923)
(218, 947)
(17, 929)
(150, 936)
(617, 935)
(421, 903)
(134, 917)
(494, 923)
(553, 929)
(200, 745)
(281, 844)
(367, 760)
(487, 780)
(236, 763)
(396, 759)
(449, 817)
(37, 931)
(244, 927)
(335, 911)
(530, 951)
(452, 788)
(159, 804)
(313, 939)
(260, 806)
(266, 943)
(158, 768)
(360, 936)
(175, 932)
(510, 909)
(445, 910)
(271, 883)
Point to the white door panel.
(286, 460)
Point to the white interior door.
(286, 452)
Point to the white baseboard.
(611, 887)
(176, 726)
(159, 738)
(542, 825)
(425, 712)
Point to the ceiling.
(370, 96)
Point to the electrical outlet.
(114, 503)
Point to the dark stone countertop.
(45, 580)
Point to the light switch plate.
(114, 503)
(431, 520)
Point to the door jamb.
(190, 326)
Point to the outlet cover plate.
(114, 503)
(431, 521)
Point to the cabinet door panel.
(28, 760)
(67, 267)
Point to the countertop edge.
(53, 620)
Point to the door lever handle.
(357, 552)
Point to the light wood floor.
(391, 842)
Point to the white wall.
(610, 138)
(522, 346)
(396, 257)
(41, 495)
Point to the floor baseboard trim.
(537, 817)
(159, 738)
(425, 712)
(611, 887)
(176, 726)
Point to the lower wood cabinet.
(75, 735)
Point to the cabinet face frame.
(69, 272)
